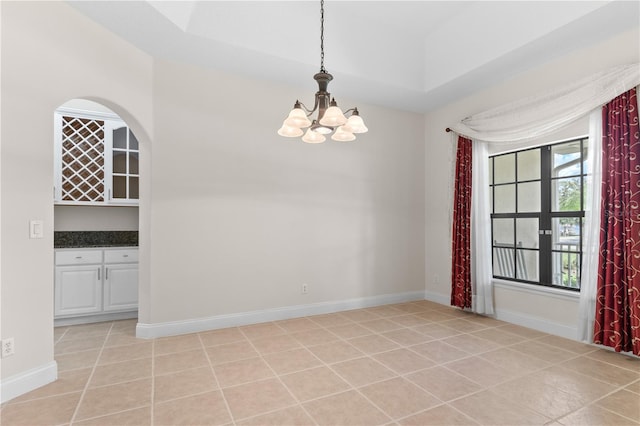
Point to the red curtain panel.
(461, 245)
(617, 318)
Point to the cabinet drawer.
(78, 257)
(121, 256)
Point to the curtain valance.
(543, 114)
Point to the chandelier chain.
(322, 36)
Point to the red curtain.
(461, 246)
(617, 319)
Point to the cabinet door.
(78, 290)
(120, 287)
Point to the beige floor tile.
(572, 382)
(403, 361)
(115, 398)
(231, 352)
(59, 332)
(53, 410)
(267, 345)
(173, 344)
(594, 415)
(360, 315)
(381, 325)
(76, 360)
(409, 307)
(171, 363)
(407, 337)
(623, 402)
(362, 371)
(470, 344)
(634, 387)
(349, 331)
(528, 333)
(291, 361)
(439, 351)
(78, 345)
(88, 331)
(499, 336)
(542, 351)
(314, 383)
(296, 325)
(602, 371)
(399, 398)
(222, 336)
(119, 372)
(204, 409)
(568, 345)
(347, 408)
(335, 352)
(292, 416)
(488, 321)
(257, 331)
(385, 311)
(410, 320)
(68, 381)
(238, 372)
(481, 371)
(436, 316)
(120, 339)
(314, 337)
(443, 383)
(126, 353)
(125, 326)
(183, 383)
(442, 415)
(553, 401)
(373, 343)
(487, 408)
(618, 359)
(514, 361)
(135, 417)
(436, 330)
(464, 326)
(257, 398)
(330, 320)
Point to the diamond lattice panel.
(82, 159)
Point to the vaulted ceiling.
(411, 55)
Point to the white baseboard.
(172, 328)
(88, 319)
(537, 323)
(22, 383)
(442, 299)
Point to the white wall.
(50, 54)
(557, 313)
(94, 218)
(242, 217)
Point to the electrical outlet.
(8, 347)
(304, 289)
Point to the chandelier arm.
(349, 110)
(307, 110)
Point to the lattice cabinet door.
(81, 150)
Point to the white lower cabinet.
(95, 281)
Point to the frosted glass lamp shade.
(356, 124)
(342, 135)
(290, 132)
(333, 117)
(313, 137)
(298, 119)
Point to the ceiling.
(410, 55)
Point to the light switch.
(36, 229)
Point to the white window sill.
(537, 289)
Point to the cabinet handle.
(78, 257)
(98, 273)
(125, 255)
(106, 273)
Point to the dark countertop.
(85, 239)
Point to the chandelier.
(330, 118)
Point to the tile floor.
(415, 363)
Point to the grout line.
(217, 382)
(86, 386)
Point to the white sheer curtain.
(591, 237)
(481, 273)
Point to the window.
(537, 216)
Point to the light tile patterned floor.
(415, 363)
